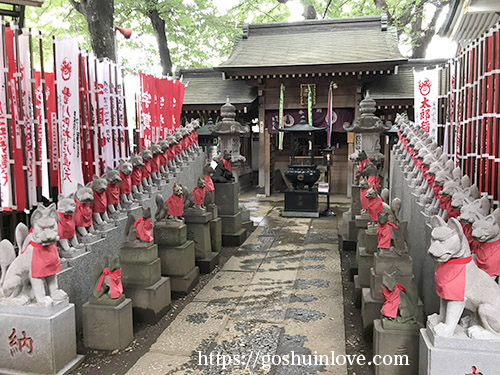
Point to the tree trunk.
(161, 38)
(99, 15)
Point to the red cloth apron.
(437, 189)
(66, 226)
(488, 257)
(450, 279)
(453, 212)
(177, 149)
(391, 300)
(444, 202)
(155, 163)
(115, 282)
(83, 214)
(227, 164)
(136, 176)
(126, 183)
(163, 159)
(170, 153)
(144, 227)
(473, 244)
(374, 207)
(146, 170)
(199, 195)
(374, 181)
(209, 184)
(384, 235)
(363, 198)
(175, 205)
(113, 194)
(100, 202)
(45, 260)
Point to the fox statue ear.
(496, 215)
(52, 212)
(79, 186)
(437, 221)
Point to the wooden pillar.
(264, 148)
(350, 140)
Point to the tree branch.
(77, 5)
(326, 9)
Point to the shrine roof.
(206, 86)
(315, 42)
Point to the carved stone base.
(216, 234)
(198, 230)
(395, 342)
(72, 253)
(235, 239)
(371, 242)
(53, 334)
(144, 252)
(141, 274)
(457, 355)
(141, 196)
(177, 260)
(150, 303)
(208, 264)
(105, 227)
(170, 233)
(90, 239)
(365, 264)
(184, 284)
(130, 206)
(231, 223)
(357, 292)
(108, 327)
(362, 220)
(403, 264)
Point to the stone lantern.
(207, 140)
(229, 132)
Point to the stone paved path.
(281, 292)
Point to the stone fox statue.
(173, 208)
(68, 240)
(108, 288)
(35, 269)
(400, 303)
(139, 230)
(461, 285)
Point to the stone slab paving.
(280, 293)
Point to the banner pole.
(99, 143)
(37, 150)
(84, 122)
(44, 105)
(21, 117)
(92, 118)
(8, 116)
(112, 89)
(57, 114)
(125, 117)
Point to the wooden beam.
(32, 3)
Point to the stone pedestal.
(390, 342)
(90, 239)
(216, 234)
(177, 256)
(301, 203)
(150, 303)
(362, 220)
(208, 264)
(365, 264)
(402, 266)
(108, 327)
(357, 292)
(371, 242)
(226, 197)
(142, 281)
(129, 206)
(198, 231)
(457, 354)
(48, 335)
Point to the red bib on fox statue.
(450, 278)
(175, 205)
(155, 163)
(363, 199)
(83, 214)
(136, 176)
(66, 226)
(209, 184)
(199, 195)
(391, 301)
(113, 194)
(115, 282)
(144, 227)
(100, 202)
(45, 261)
(146, 169)
(374, 207)
(384, 235)
(227, 164)
(488, 257)
(126, 183)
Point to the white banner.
(5, 178)
(28, 118)
(42, 141)
(105, 123)
(66, 58)
(121, 112)
(93, 109)
(426, 100)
